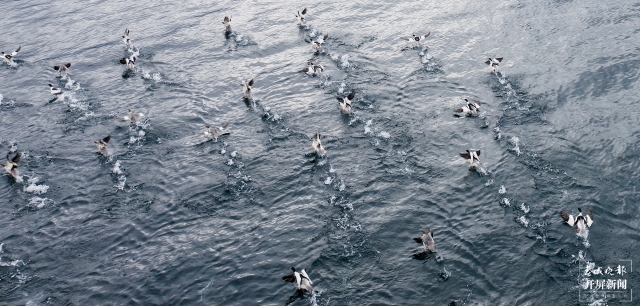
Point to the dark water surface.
(172, 218)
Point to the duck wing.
(16, 159)
(488, 62)
(106, 139)
(565, 215)
(418, 240)
(478, 152)
(16, 52)
(304, 11)
(289, 278)
(352, 95)
(465, 155)
(589, 217)
(499, 59)
(251, 82)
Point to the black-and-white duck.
(470, 109)
(300, 16)
(130, 62)
(317, 145)
(345, 103)
(227, 23)
(581, 221)
(472, 156)
(313, 69)
(246, 88)
(102, 145)
(318, 42)
(133, 117)
(62, 69)
(8, 58)
(126, 38)
(427, 241)
(217, 131)
(55, 91)
(12, 166)
(494, 63)
(416, 38)
(301, 279)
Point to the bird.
(317, 145)
(300, 17)
(345, 103)
(130, 62)
(246, 88)
(415, 38)
(62, 69)
(582, 221)
(318, 42)
(55, 91)
(8, 58)
(227, 23)
(301, 279)
(134, 118)
(126, 39)
(102, 145)
(427, 241)
(494, 63)
(471, 109)
(217, 131)
(472, 156)
(313, 69)
(12, 166)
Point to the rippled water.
(174, 218)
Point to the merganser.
(427, 241)
(301, 279)
(345, 103)
(582, 221)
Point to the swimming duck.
(300, 17)
(427, 241)
(494, 63)
(134, 118)
(129, 62)
(55, 91)
(126, 39)
(313, 69)
(415, 38)
(317, 145)
(301, 279)
(246, 88)
(227, 24)
(472, 156)
(471, 109)
(62, 69)
(318, 42)
(12, 166)
(217, 131)
(102, 145)
(582, 221)
(8, 58)
(345, 103)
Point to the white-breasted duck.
(126, 38)
(581, 221)
(246, 88)
(318, 42)
(55, 91)
(217, 131)
(130, 62)
(102, 145)
(62, 69)
(427, 241)
(494, 63)
(345, 103)
(301, 279)
(416, 38)
(227, 23)
(317, 145)
(313, 69)
(8, 57)
(473, 157)
(133, 117)
(470, 109)
(300, 16)
(12, 166)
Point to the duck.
(129, 62)
(300, 17)
(227, 23)
(8, 58)
(313, 69)
(55, 91)
(301, 279)
(246, 88)
(582, 221)
(134, 118)
(126, 39)
(62, 69)
(317, 145)
(471, 109)
(102, 145)
(345, 103)
(494, 63)
(217, 131)
(318, 42)
(472, 156)
(12, 166)
(416, 38)
(427, 241)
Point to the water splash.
(502, 190)
(34, 188)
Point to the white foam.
(342, 186)
(116, 168)
(121, 182)
(33, 188)
(524, 208)
(328, 181)
(502, 190)
(385, 135)
(13, 263)
(523, 220)
(506, 202)
(488, 183)
(38, 202)
(230, 162)
(1, 250)
(1, 97)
